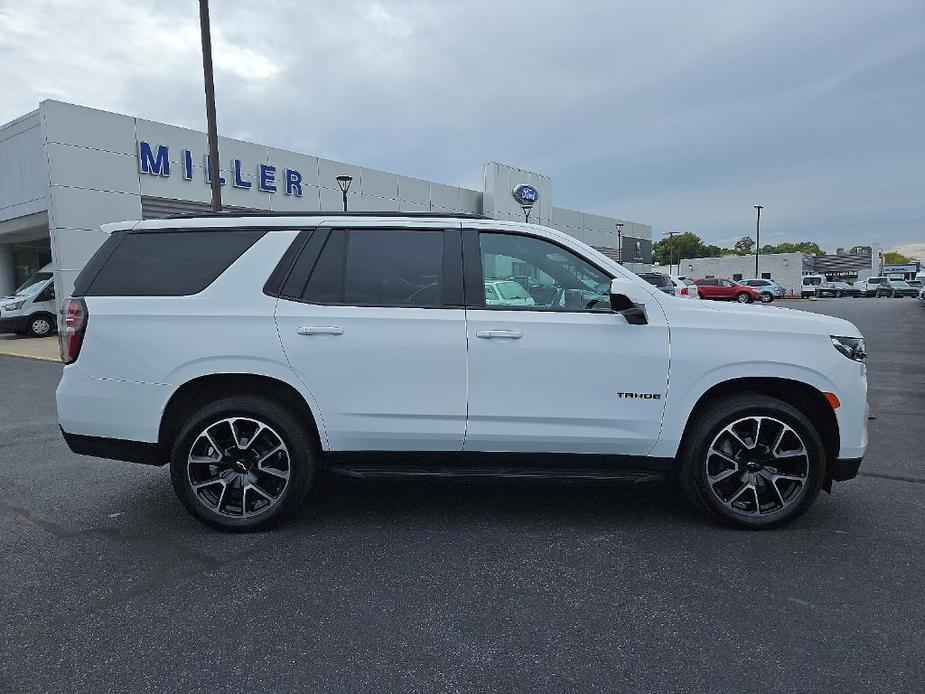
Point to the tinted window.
(326, 283)
(657, 279)
(360, 267)
(169, 263)
(551, 277)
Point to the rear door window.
(382, 267)
(167, 263)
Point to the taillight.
(73, 325)
(684, 291)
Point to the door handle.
(320, 330)
(489, 334)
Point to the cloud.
(679, 115)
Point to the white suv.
(249, 352)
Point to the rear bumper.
(115, 449)
(108, 408)
(845, 469)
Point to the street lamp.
(527, 208)
(343, 182)
(619, 226)
(757, 238)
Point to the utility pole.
(671, 235)
(757, 238)
(619, 226)
(215, 176)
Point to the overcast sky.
(681, 115)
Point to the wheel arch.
(202, 390)
(805, 397)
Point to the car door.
(708, 288)
(565, 374)
(372, 321)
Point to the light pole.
(343, 182)
(671, 235)
(619, 226)
(757, 237)
(215, 176)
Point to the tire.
(249, 487)
(743, 298)
(794, 494)
(41, 325)
(766, 297)
(838, 295)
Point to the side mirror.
(620, 302)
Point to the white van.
(31, 310)
(810, 282)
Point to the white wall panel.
(82, 208)
(88, 127)
(92, 168)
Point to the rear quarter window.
(164, 263)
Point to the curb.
(34, 357)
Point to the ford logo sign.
(525, 194)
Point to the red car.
(726, 290)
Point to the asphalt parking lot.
(109, 585)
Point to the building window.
(765, 275)
(737, 276)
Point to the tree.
(894, 258)
(686, 245)
(807, 247)
(745, 246)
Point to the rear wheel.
(753, 462)
(242, 463)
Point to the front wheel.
(766, 298)
(40, 326)
(242, 463)
(753, 462)
(743, 297)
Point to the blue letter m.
(155, 165)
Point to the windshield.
(900, 284)
(32, 285)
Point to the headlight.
(851, 347)
(14, 307)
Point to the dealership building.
(67, 169)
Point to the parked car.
(769, 289)
(837, 290)
(31, 308)
(362, 344)
(917, 284)
(685, 288)
(895, 289)
(922, 295)
(660, 280)
(810, 282)
(508, 293)
(870, 286)
(726, 290)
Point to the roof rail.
(323, 213)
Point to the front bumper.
(14, 324)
